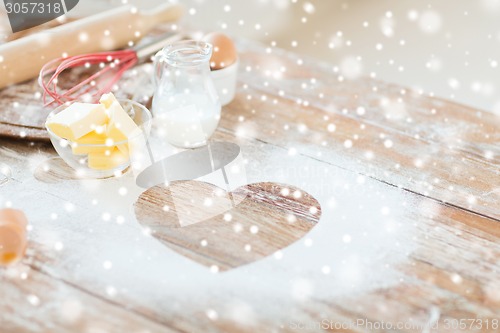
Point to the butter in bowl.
(96, 139)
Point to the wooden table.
(409, 232)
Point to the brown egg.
(224, 52)
(13, 236)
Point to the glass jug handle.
(157, 69)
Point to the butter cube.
(124, 148)
(88, 144)
(121, 126)
(110, 159)
(77, 120)
(107, 100)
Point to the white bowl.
(225, 82)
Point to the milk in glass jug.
(186, 106)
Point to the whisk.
(114, 63)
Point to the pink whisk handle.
(116, 63)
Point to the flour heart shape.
(253, 222)
(30, 13)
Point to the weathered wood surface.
(429, 146)
(61, 307)
(378, 252)
(266, 218)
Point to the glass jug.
(186, 106)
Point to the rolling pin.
(23, 58)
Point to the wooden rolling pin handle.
(164, 13)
